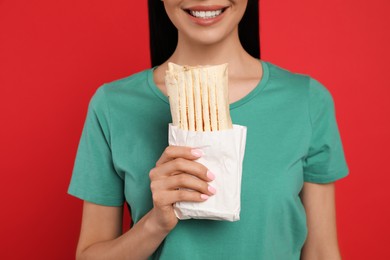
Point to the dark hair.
(163, 34)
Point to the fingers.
(180, 187)
(164, 197)
(181, 165)
(183, 181)
(177, 177)
(173, 152)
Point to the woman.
(293, 156)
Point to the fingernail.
(212, 189)
(210, 175)
(197, 152)
(204, 196)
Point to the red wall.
(54, 54)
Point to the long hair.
(163, 34)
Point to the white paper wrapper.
(223, 155)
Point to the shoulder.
(126, 86)
(283, 76)
(128, 82)
(114, 91)
(311, 87)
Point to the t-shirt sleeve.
(94, 178)
(325, 161)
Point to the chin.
(209, 37)
(208, 41)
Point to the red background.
(54, 54)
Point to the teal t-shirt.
(292, 137)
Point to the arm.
(172, 180)
(319, 203)
(101, 235)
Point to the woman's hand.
(175, 178)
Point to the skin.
(213, 45)
(101, 230)
(319, 203)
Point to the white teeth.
(206, 14)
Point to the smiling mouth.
(206, 14)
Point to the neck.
(229, 51)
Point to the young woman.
(293, 156)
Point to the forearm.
(138, 243)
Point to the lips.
(205, 12)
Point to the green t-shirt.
(292, 137)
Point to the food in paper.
(198, 97)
